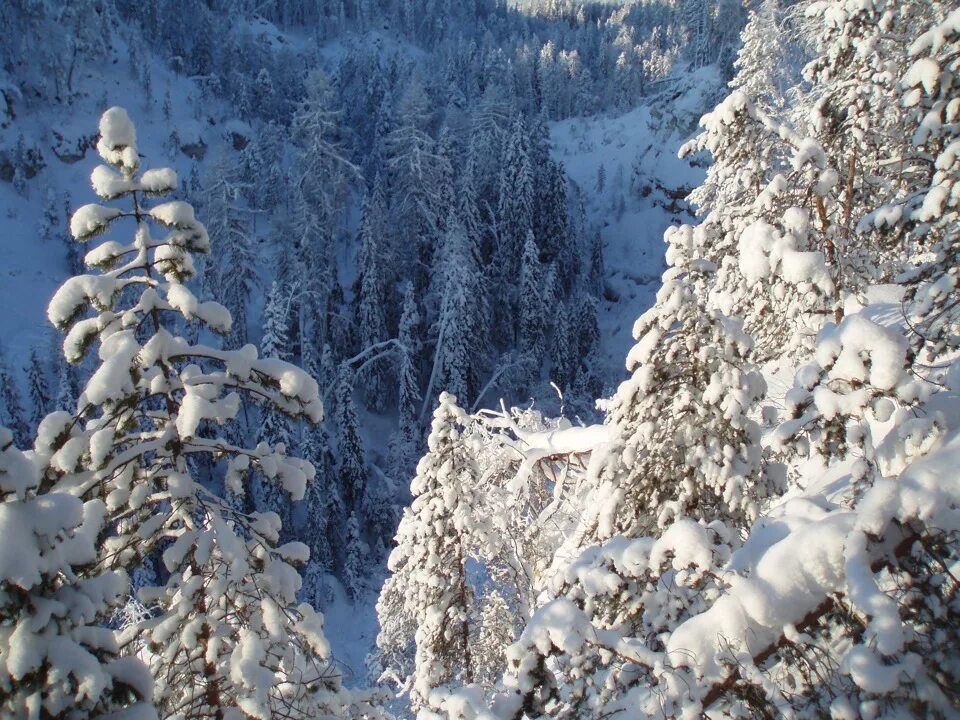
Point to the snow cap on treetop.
(118, 139)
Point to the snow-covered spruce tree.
(458, 291)
(232, 268)
(224, 638)
(759, 65)
(563, 348)
(532, 308)
(351, 462)
(324, 511)
(67, 390)
(416, 173)
(274, 427)
(12, 413)
(405, 445)
(324, 169)
(686, 444)
(769, 271)
(551, 224)
(493, 632)
(859, 372)
(316, 269)
(355, 551)
(424, 639)
(38, 388)
(57, 660)
(931, 213)
(371, 310)
(599, 647)
(514, 217)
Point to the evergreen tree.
(232, 274)
(60, 661)
(759, 62)
(223, 628)
(274, 426)
(325, 170)
(405, 443)
(532, 306)
(424, 638)
(351, 465)
(67, 385)
(516, 197)
(555, 239)
(564, 348)
(354, 568)
(12, 413)
(458, 284)
(39, 390)
(688, 445)
(372, 301)
(417, 174)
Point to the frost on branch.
(56, 659)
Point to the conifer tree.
(325, 170)
(458, 289)
(759, 62)
(516, 198)
(689, 447)
(274, 428)
(39, 390)
(274, 425)
(232, 274)
(405, 443)
(59, 659)
(424, 639)
(12, 413)
(532, 304)
(372, 299)
(67, 390)
(354, 555)
(224, 633)
(564, 348)
(417, 171)
(325, 514)
(351, 465)
(552, 224)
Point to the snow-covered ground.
(32, 267)
(638, 153)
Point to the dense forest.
(324, 329)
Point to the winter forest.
(479, 359)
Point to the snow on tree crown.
(158, 268)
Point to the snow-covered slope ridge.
(626, 171)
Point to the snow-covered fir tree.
(371, 314)
(12, 413)
(404, 446)
(424, 639)
(224, 630)
(351, 465)
(59, 661)
(38, 388)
